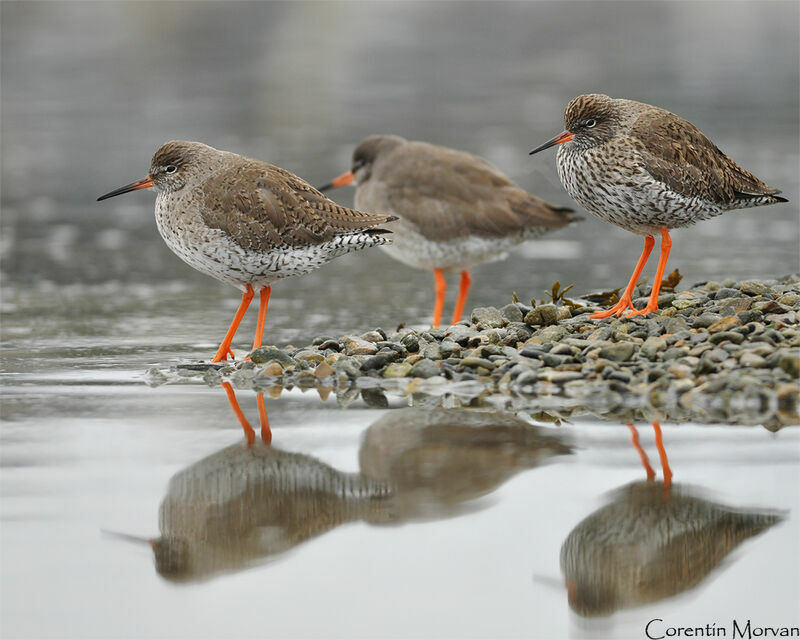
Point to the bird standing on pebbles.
(456, 210)
(647, 171)
(248, 223)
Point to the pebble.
(354, 346)
(544, 314)
(618, 352)
(512, 313)
(263, 355)
(424, 368)
(397, 370)
(470, 361)
(487, 317)
(725, 324)
(710, 350)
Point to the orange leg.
(266, 432)
(248, 430)
(625, 301)
(666, 245)
(642, 455)
(662, 454)
(441, 287)
(262, 315)
(225, 347)
(463, 290)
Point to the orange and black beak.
(129, 538)
(144, 183)
(338, 181)
(566, 136)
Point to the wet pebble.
(424, 368)
(710, 345)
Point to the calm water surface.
(378, 523)
(362, 522)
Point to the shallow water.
(360, 522)
(465, 544)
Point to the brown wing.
(679, 155)
(264, 207)
(450, 194)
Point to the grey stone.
(349, 366)
(619, 352)
(424, 368)
(460, 334)
(552, 334)
(543, 314)
(512, 313)
(262, 355)
(473, 362)
(750, 359)
(753, 288)
(357, 346)
(676, 324)
(378, 361)
(373, 336)
(705, 320)
(726, 292)
(652, 346)
(397, 370)
(559, 376)
(448, 348)
(487, 317)
(733, 336)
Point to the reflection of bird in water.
(250, 502)
(649, 544)
(662, 454)
(247, 503)
(437, 459)
(266, 432)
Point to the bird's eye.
(591, 123)
(171, 168)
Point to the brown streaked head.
(173, 558)
(590, 120)
(170, 168)
(364, 157)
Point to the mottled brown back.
(679, 155)
(449, 194)
(264, 207)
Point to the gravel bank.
(719, 352)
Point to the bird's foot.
(222, 354)
(648, 309)
(623, 305)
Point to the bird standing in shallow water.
(647, 171)
(247, 223)
(456, 210)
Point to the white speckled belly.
(412, 248)
(625, 194)
(213, 253)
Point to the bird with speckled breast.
(648, 171)
(248, 223)
(455, 209)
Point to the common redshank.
(248, 223)
(648, 544)
(648, 171)
(456, 210)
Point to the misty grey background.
(90, 90)
(92, 298)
